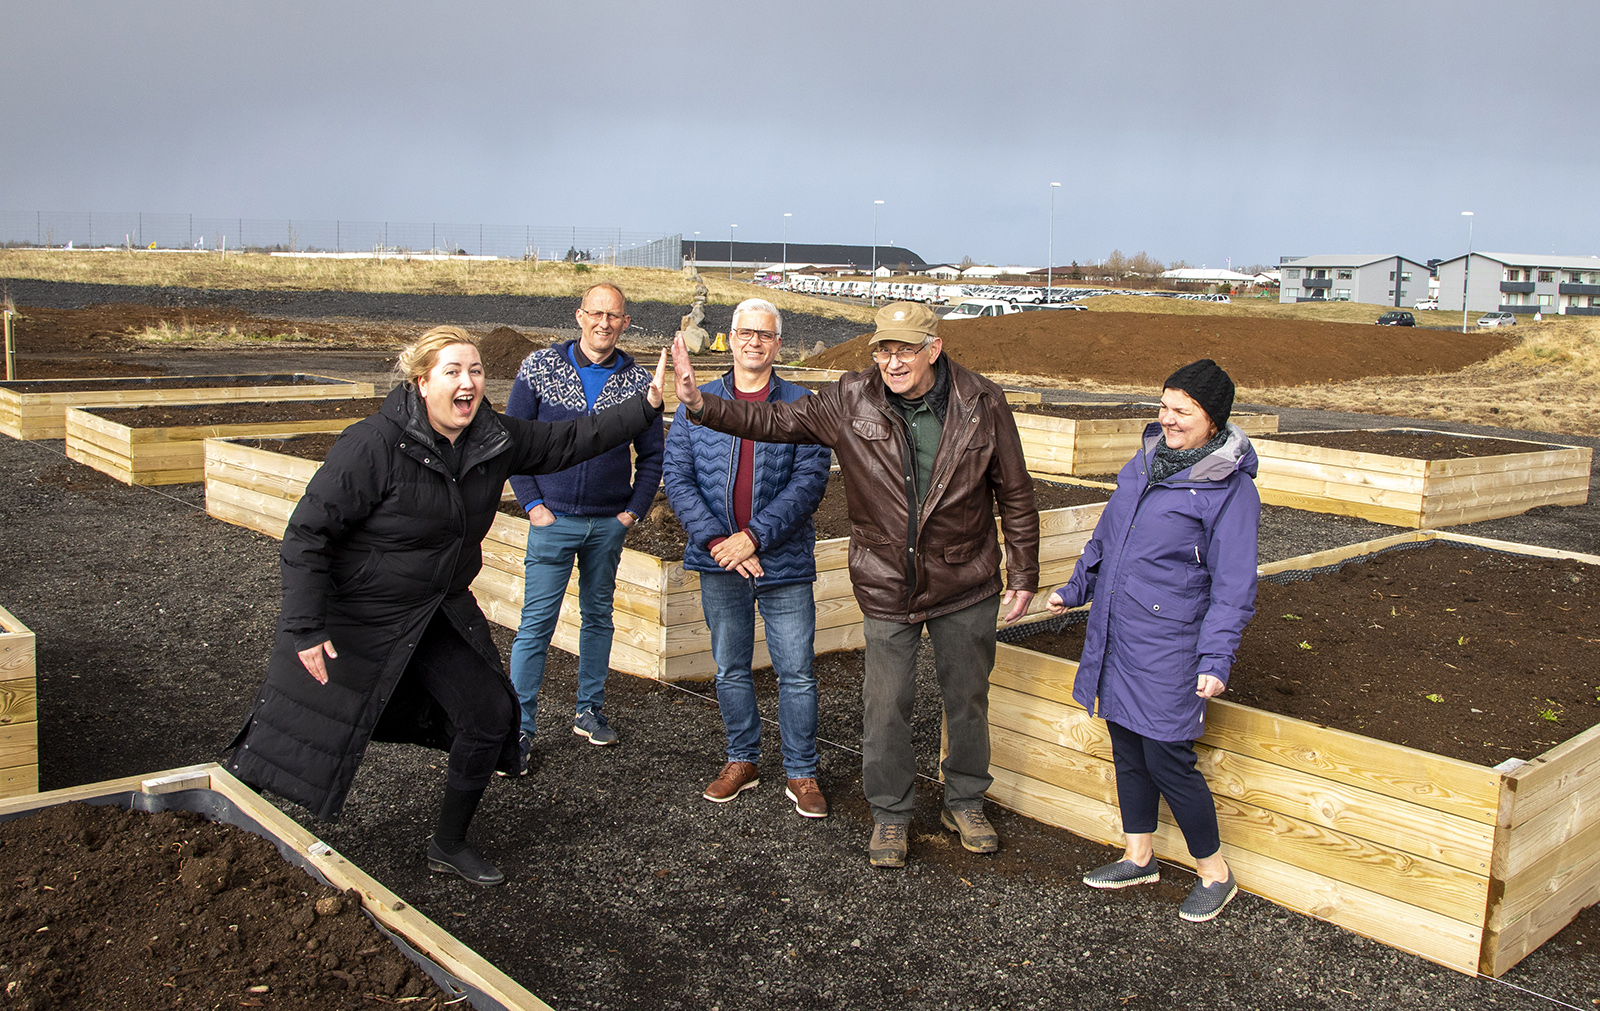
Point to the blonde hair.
(419, 356)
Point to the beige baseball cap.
(911, 322)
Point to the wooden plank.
(1573, 862)
(1567, 775)
(18, 702)
(19, 781)
(1537, 458)
(1505, 946)
(265, 514)
(1521, 549)
(1340, 459)
(19, 745)
(1385, 821)
(1334, 556)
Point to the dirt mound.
(504, 349)
(1142, 349)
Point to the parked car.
(1064, 306)
(1397, 318)
(1497, 319)
(972, 308)
(1427, 303)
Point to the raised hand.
(683, 370)
(658, 384)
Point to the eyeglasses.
(598, 314)
(903, 356)
(752, 336)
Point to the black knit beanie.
(1210, 387)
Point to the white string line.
(141, 487)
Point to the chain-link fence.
(94, 229)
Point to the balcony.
(1323, 282)
(1526, 287)
(1578, 289)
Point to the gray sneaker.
(592, 725)
(1122, 874)
(1206, 901)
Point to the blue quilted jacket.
(788, 483)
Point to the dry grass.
(254, 271)
(1549, 382)
(1270, 308)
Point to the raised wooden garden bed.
(174, 453)
(19, 715)
(36, 409)
(1421, 493)
(210, 791)
(1088, 445)
(1469, 866)
(660, 630)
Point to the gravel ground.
(627, 889)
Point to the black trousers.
(1148, 770)
(473, 694)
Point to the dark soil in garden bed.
(110, 909)
(1410, 443)
(1477, 655)
(1089, 412)
(169, 383)
(269, 412)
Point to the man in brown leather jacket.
(926, 448)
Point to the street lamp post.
(872, 279)
(730, 251)
(1466, 271)
(694, 254)
(1050, 268)
(785, 271)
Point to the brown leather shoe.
(734, 779)
(807, 796)
(888, 845)
(977, 835)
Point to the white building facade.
(1353, 277)
(1523, 283)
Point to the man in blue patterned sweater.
(581, 514)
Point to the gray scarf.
(1170, 461)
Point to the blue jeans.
(595, 542)
(790, 613)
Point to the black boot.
(448, 851)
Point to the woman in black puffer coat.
(380, 636)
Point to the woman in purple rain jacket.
(1171, 572)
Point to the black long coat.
(383, 539)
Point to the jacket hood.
(1236, 454)
(484, 438)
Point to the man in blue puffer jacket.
(747, 507)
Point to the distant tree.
(1116, 266)
(1178, 265)
(1077, 271)
(967, 261)
(1143, 263)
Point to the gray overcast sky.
(1193, 131)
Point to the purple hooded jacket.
(1171, 570)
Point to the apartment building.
(1522, 283)
(1332, 277)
